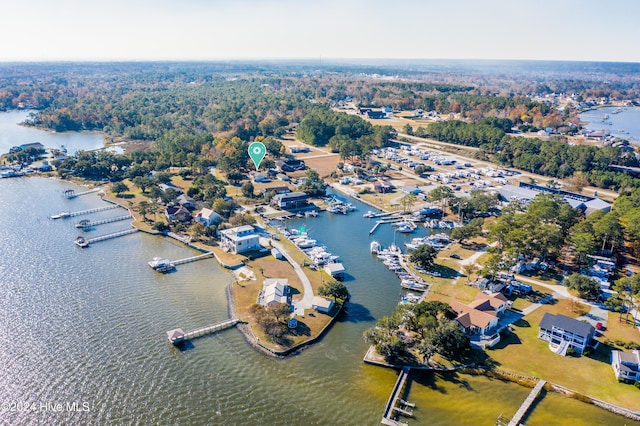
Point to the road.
(307, 297)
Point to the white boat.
(406, 227)
(375, 247)
(161, 265)
(370, 214)
(312, 213)
(306, 243)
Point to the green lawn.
(522, 352)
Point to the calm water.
(12, 135)
(625, 124)
(88, 326)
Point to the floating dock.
(65, 215)
(515, 421)
(178, 336)
(88, 224)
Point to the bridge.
(88, 224)
(515, 421)
(65, 215)
(178, 336)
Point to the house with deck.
(626, 365)
(563, 332)
(240, 239)
(291, 200)
(178, 214)
(480, 318)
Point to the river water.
(87, 326)
(620, 122)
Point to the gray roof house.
(563, 332)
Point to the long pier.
(394, 398)
(178, 336)
(88, 224)
(192, 259)
(65, 215)
(515, 421)
(70, 193)
(112, 235)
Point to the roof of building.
(468, 316)
(566, 323)
(322, 302)
(275, 290)
(176, 210)
(333, 268)
(488, 302)
(627, 361)
(287, 195)
(239, 233)
(209, 214)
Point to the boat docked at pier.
(161, 265)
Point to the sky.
(584, 30)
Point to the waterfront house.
(187, 202)
(177, 213)
(563, 332)
(322, 304)
(208, 217)
(274, 290)
(291, 200)
(240, 239)
(474, 321)
(626, 365)
(493, 302)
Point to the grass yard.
(522, 352)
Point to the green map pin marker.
(257, 151)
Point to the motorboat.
(370, 214)
(375, 247)
(161, 265)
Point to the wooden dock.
(88, 224)
(391, 408)
(65, 215)
(515, 421)
(70, 193)
(192, 259)
(110, 236)
(178, 336)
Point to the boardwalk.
(394, 399)
(70, 193)
(178, 336)
(112, 235)
(527, 403)
(88, 224)
(65, 215)
(192, 259)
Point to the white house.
(274, 290)
(240, 239)
(626, 365)
(208, 217)
(563, 332)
